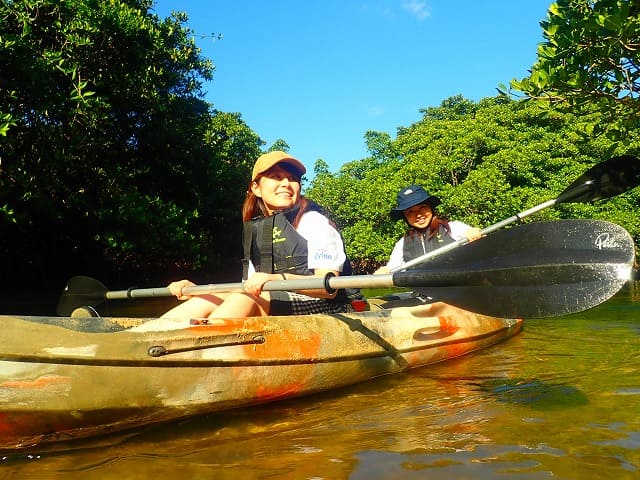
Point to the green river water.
(559, 401)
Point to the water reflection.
(560, 400)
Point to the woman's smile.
(419, 216)
(278, 188)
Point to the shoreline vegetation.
(115, 165)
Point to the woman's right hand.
(176, 288)
(255, 282)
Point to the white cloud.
(375, 111)
(418, 9)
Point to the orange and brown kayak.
(64, 378)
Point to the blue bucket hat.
(411, 196)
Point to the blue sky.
(319, 74)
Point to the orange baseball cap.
(268, 160)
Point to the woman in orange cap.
(286, 236)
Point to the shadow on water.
(537, 394)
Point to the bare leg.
(237, 305)
(229, 305)
(179, 316)
(200, 306)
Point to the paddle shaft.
(539, 269)
(165, 292)
(309, 283)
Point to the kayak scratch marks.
(28, 391)
(84, 351)
(41, 382)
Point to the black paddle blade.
(541, 269)
(78, 292)
(604, 180)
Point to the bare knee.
(195, 307)
(242, 304)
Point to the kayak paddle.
(604, 180)
(541, 269)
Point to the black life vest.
(273, 246)
(417, 243)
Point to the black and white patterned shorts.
(291, 303)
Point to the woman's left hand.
(472, 234)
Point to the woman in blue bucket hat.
(427, 230)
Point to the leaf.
(555, 10)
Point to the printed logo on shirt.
(323, 255)
(276, 236)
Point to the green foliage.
(111, 159)
(590, 63)
(279, 144)
(487, 161)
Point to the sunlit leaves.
(590, 61)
